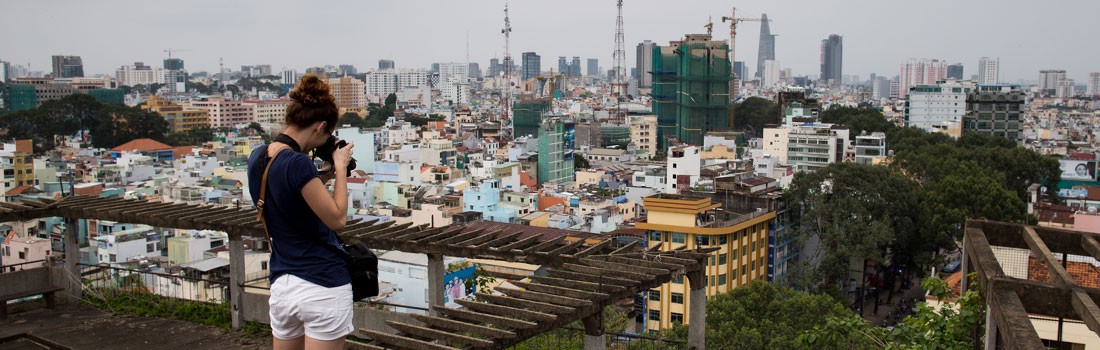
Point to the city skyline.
(266, 34)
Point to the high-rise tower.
(767, 46)
(832, 58)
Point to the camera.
(325, 151)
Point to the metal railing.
(106, 278)
(23, 265)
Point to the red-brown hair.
(313, 102)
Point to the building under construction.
(691, 88)
(527, 115)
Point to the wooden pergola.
(581, 280)
(1009, 300)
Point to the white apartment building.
(381, 83)
(137, 74)
(454, 72)
(683, 168)
(17, 251)
(643, 133)
(989, 70)
(412, 77)
(937, 107)
(870, 149)
(771, 74)
(290, 77)
(807, 147)
(1093, 84)
(125, 245)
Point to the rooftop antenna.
(507, 101)
(620, 54)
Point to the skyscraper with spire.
(767, 46)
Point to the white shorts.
(299, 307)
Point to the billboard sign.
(1081, 170)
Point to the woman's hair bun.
(312, 90)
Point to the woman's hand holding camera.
(341, 157)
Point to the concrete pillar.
(990, 330)
(697, 311)
(236, 279)
(436, 270)
(72, 257)
(964, 283)
(593, 332)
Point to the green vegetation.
(754, 113)
(138, 302)
(579, 162)
(952, 327)
(109, 125)
(906, 213)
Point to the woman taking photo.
(311, 295)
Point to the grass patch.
(142, 303)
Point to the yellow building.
(178, 119)
(679, 221)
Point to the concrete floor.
(73, 326)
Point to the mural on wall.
(455, 286)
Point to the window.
(22, 255)
(263, 265)
(721, 279)
(678, 279)
(710, 260)
(722, 259)
(676, 298)
(655, 295)
(677, 237)
(712, 281)
(112, 258)
(654, 315)
(723, 240)
(655, 236)
(676, 318)
(744, 270)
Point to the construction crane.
(733, 19)
(170, 51)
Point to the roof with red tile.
(546, 202)
(141, 145)
(1085, 274)
(18, 190)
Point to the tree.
(858, 120)
(754, 113)
(352, 119)
(417, 121)
(119, 124)
(858, 211)
(55, 118)
(776, 314)
(950, 327)
(391, 100)
(579, 162)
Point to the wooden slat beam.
(592, 270)
(485, 318)
(568, 292)
(595, 248)
(550, 298)
(506, 310)
(448, 337)
(403, 342)
(526, 304)
(625, 267)
(459, 326)
(584, 277)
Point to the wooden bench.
(46, 293)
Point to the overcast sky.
(878, 34)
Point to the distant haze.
(1027, 35)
